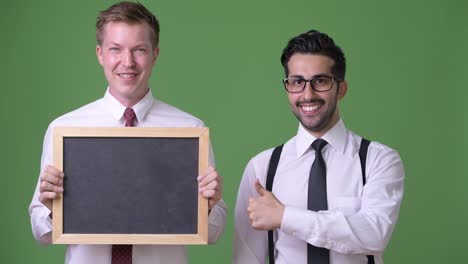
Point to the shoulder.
(71, 118)
(379, 155)
(379, 147)
(172, 115)
(262, 157)
(376, 148)
(88, 111)
(260, 162)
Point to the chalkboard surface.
(129, 185)
(153, 180)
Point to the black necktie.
(317, 199)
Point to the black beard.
(324, 120)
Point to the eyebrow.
(315, 76)
(142, 45)
(114, 44)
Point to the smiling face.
(127, 57)
(317, 111)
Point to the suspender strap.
(363, 156)
(269, 186)
(275, 157)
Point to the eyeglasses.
(319, 83)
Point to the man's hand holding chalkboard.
(210, 186)
(51, 185)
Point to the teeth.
(310, 107)
(127, 75)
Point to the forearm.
(361, 233)
(41, 223)
(250, 245)
(355, 225)
(216, 222)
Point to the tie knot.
(129, 116)
(319, 144)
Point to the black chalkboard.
(130, 185)
(153, 180)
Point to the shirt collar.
(336, 138)
(117, 109)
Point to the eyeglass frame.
(310, 81)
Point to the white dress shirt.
(108, 112)
(359, 220)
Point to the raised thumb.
(259, 188)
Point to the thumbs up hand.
(265, 211)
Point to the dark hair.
(131, 13)
(315, 42)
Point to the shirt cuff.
(304, 225)
(47, 227)
(291, 223)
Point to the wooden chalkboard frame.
(59, 237)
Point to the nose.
(128, 59)
(308, 92)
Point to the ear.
(155, 55)
(99, 54)
(342, 89)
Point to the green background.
(219, 60)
